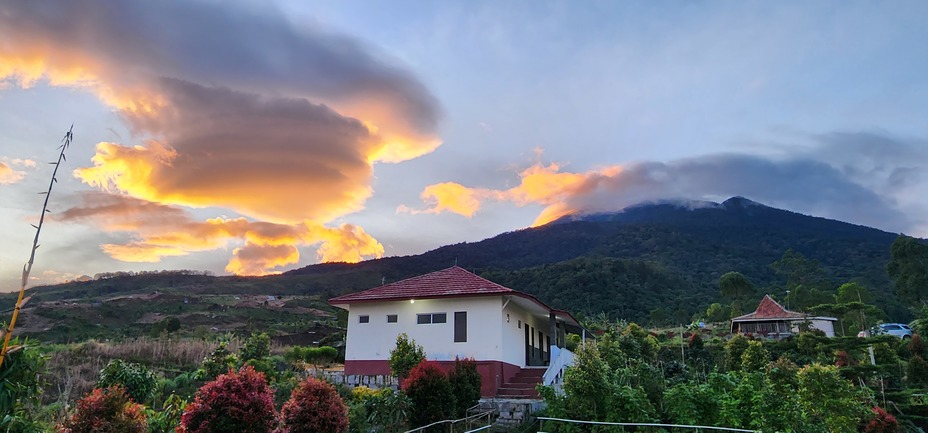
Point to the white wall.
(375, 340)
(514, 335)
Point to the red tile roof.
(452, 282)
(768, 309)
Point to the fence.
(622, 425)
(480, 421)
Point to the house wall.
(374, 340)
(826, 326)
(514, 333)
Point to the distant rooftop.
(768, 309)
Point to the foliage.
(405, 356)
(106, 411)
(257, 346)
(167, 325)
(311, 355)
(882, 422)
(168, 418)
(798, 270)
(916, 371)
(431, 393)
(234, 402)
(389, 411)
(734, 285)
(734, 350)
(315, 407)
(465, 384)
(21, 375)
(219, 361)
(754, 357)
(908, 269)
(136, 379)
(828, 401)
(716, 313)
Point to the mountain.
(686, 245)
(654, 261)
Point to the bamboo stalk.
(27, 268)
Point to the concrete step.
(517, 393)
(520, 385)
(525, 379)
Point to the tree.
(256, 347)
(234, 402)
(136, 379)
(405, 356)
(219, 361)
(315, 407)
(908, 268)
(798, 270)
(829, 402)
(716, 313)
(432, 397)
(465, 383)
(106, 411)
(735, 286)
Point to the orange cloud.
(204, 97)
(8, 175)
(160, 231)
(539, 184)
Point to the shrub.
(754, 357)
(431, 394)
(106, 411)
(734, 349)
(315, 407)
(405, 356)
(389, 411)
(21, 382)
(137, 380)
(465, 383)
(315, 356)
(168, 418)
(916, 371)
(219, 361)
(257, 346)
(234, 402)
(882, 422)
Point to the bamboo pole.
(27, 268)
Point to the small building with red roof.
(772, 320)
(517, 340)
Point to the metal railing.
(560, 360)
(482, 420)
(697, 428)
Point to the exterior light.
(412, 301)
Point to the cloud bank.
(864, 178)
(233, 106)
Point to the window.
(426, 318)
(391, 318)
(364, 319)
(460, 327)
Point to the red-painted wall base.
(493, 374)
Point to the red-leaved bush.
(431, 393)
(882, 422)
(106, 411)
(233, 403)
(315, 407)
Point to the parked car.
(900, 330)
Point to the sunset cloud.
(8, 175)
(872, 179)
(231, 106)
(160, 231)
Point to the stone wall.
(370, 381)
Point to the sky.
(253, 137)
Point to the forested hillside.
(650, 263)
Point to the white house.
(772, 320)
(515, 338)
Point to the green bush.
(258, 346)
(405, 356)
(465, 384)
(136, 379)
(219, 361)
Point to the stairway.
(522, 385)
